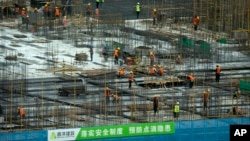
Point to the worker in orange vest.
(153, 70)
(57, 12)
(191, 80)
(152, 58)
(196, 21)
(217, 73)
(160, 70)
(20, 112)
(130, 79)
(116, 98)
(107, 94)
(116, 55)
(121, 72)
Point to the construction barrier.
(195, 130)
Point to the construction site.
(46, 67)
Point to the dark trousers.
(217, 77)
(116, 60)
(137, 15)
(129, 84)
(204, 105)
(107, 99)
(191, 83)
(195, 27)
(97, 4)
(91, 56)
(155, 110)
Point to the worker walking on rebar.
(179, 60)
(205, 99)
(64, 22)
(105, 52)
(27, 21)
(176, 111)
(196, 21)
(154, 16)
(155, 104)
(130, 79)
(91, 52)
(137, 10)
(57, 12)
(121, 72)
(107, 95)
(46, 11)
(89, 9)
(191, 79)
(217, 73)
(116, 98)
(152, 58)
(20, 112)
(116, 55)
(97, 3)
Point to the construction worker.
(153, 70)
(191, 80)
(46, 10)
(116, 98)
(27, 20)
(176, 110)
(152, 58)
(205, 99)
(20, 112)
(130, 79)
(137, 10)
(217, 73)
(155, 104)
(57, 12)
(64, 22)
(121, 72)
(97, 3)
(116, 55)
(154, 16)
(23, 12)
(105, 52)
(237, 111)
(160, 70)
(91, 53)
(88, 12)
(196, 21)
(107, 95)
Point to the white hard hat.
(138, 3)
(177, 103)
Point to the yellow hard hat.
(155, 95)
(159, 66)
(65, 16)
(35, 8)
(151, 52)
(154, 9)
(131, 71)
(208, 90)
(118, 48)
(89, 3)
(27, 16)
(154, 65)
(23, 8)
(56, 7)
(107, 87)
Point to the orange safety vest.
(57, 12)
(218, 70)
(152, 70)
(64, 22)
(121, 72)
(107, 92)
(196, 21)
(160, 70)
(116, 53)
(130, 78)
(23, 12)
(21, 112)
(191, 78)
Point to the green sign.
(126, 130)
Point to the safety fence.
(202, 130)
